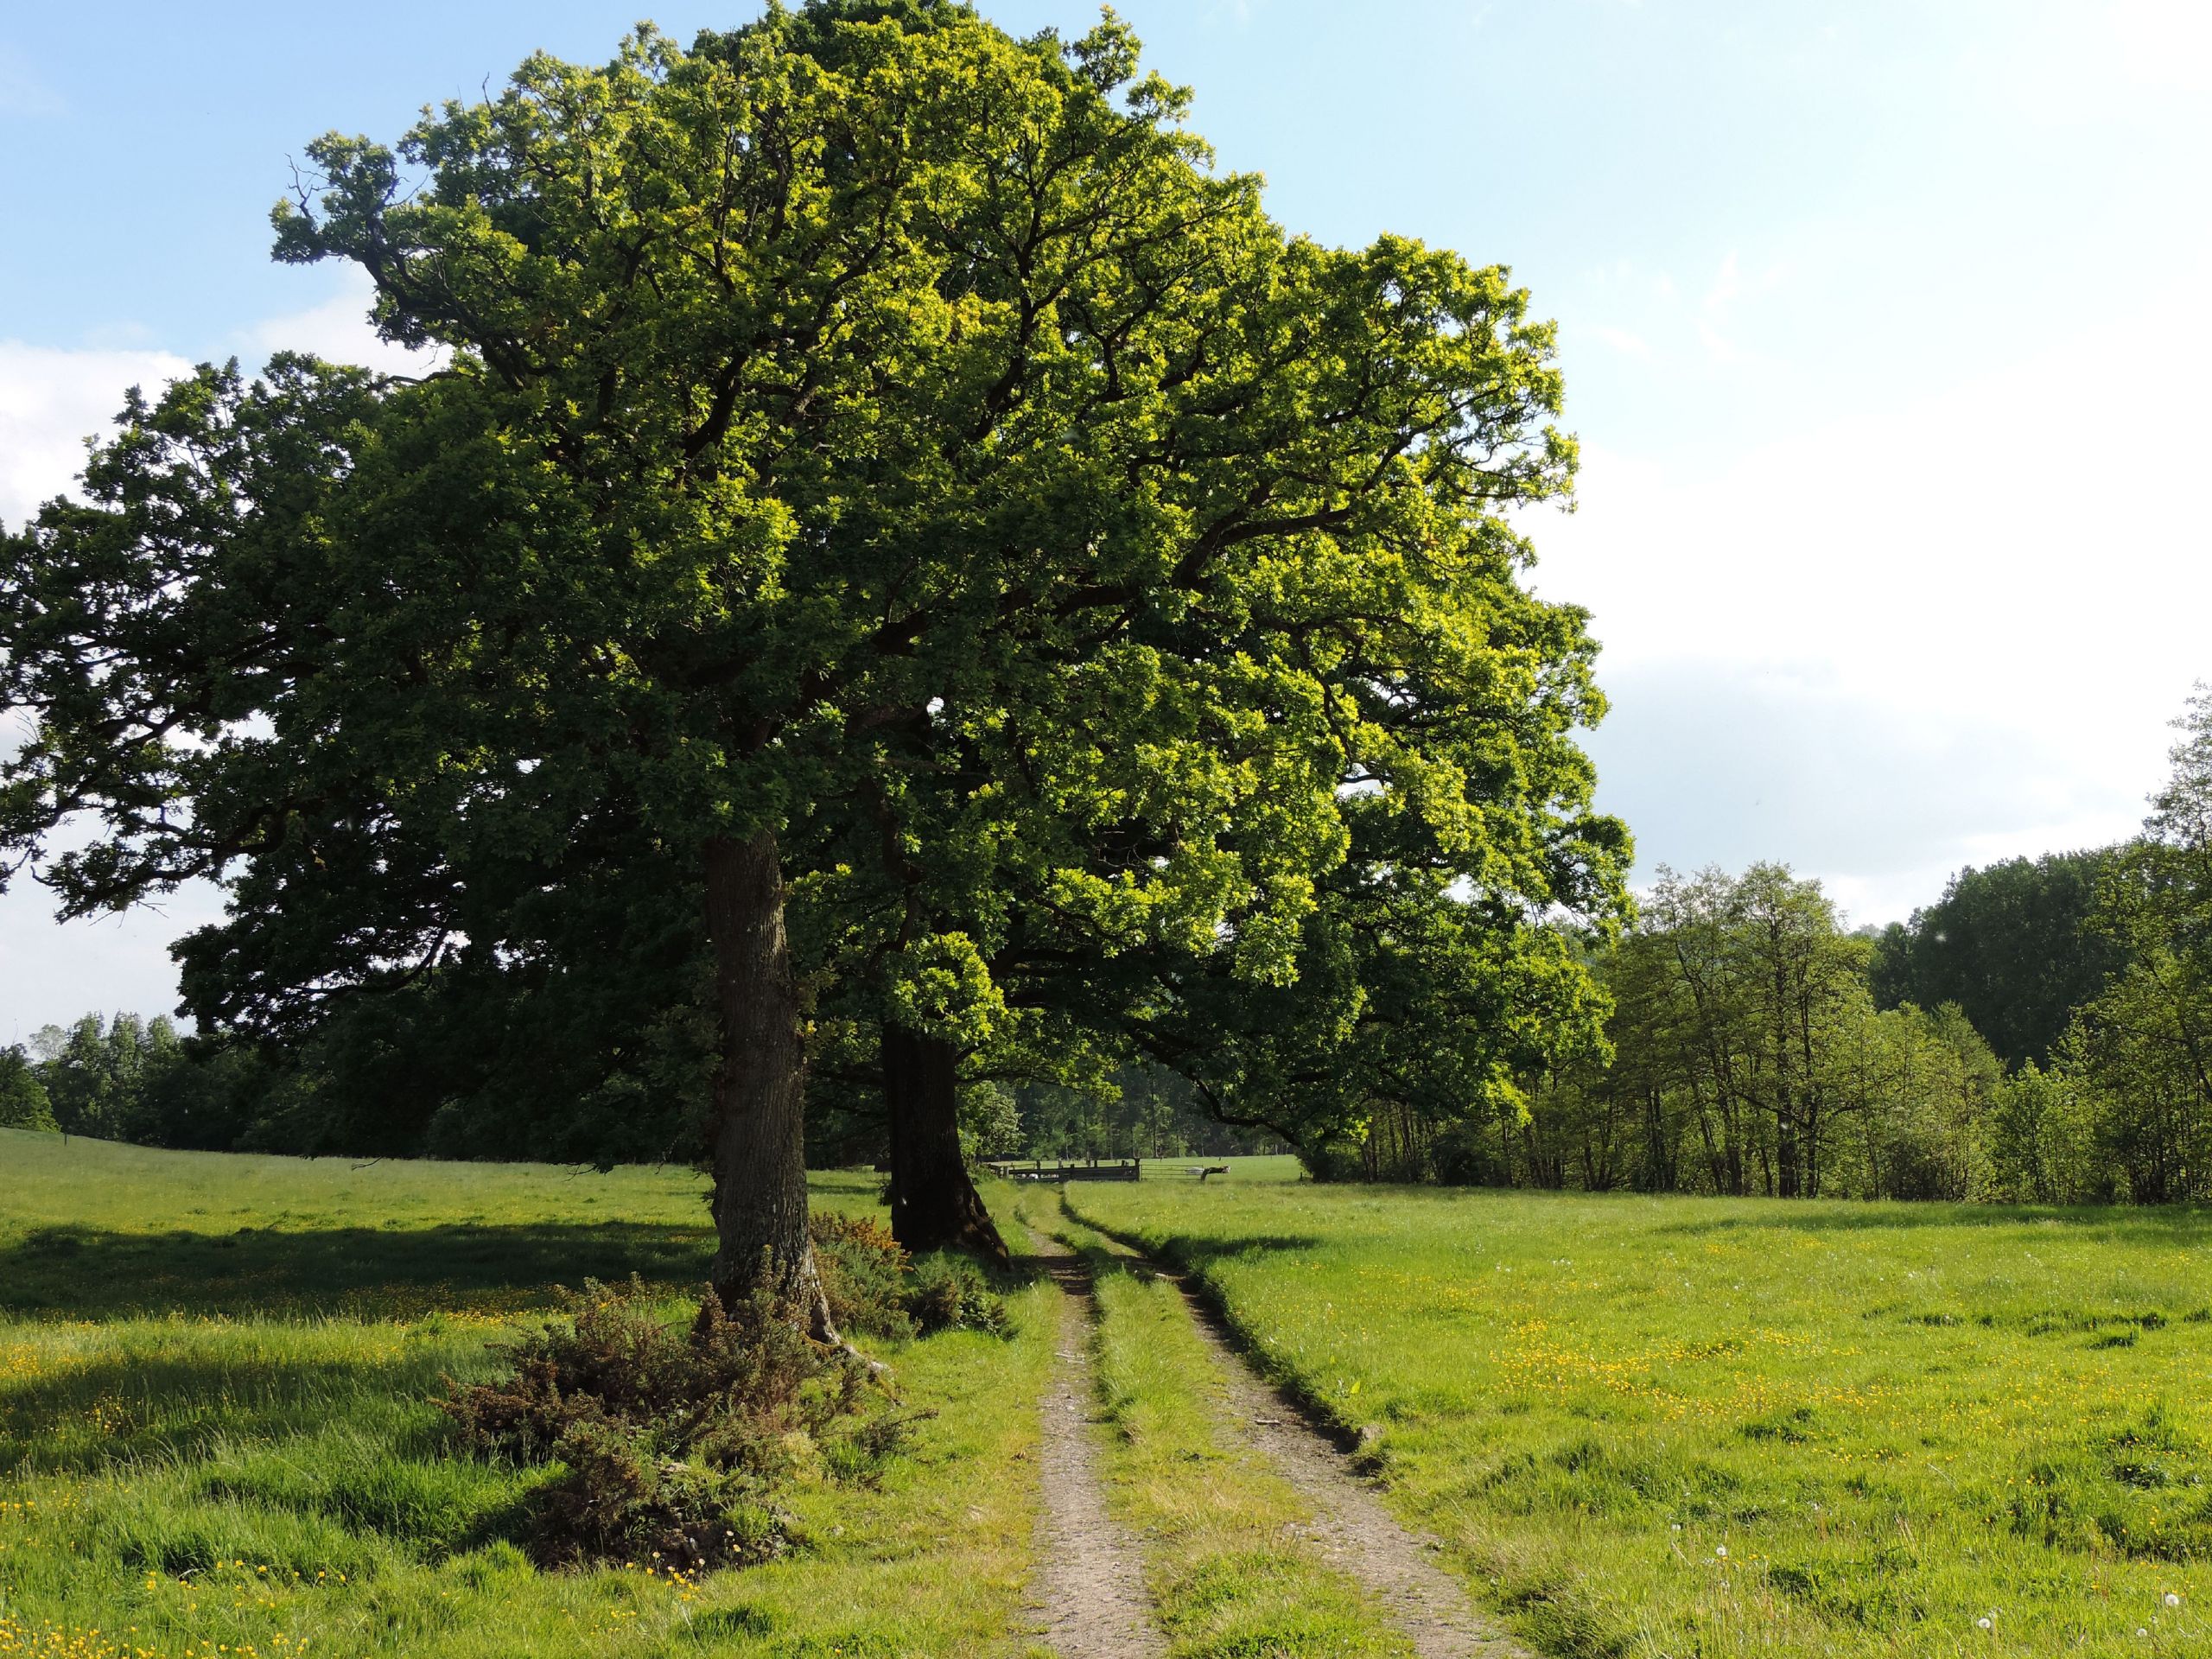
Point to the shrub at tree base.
(874, 1290)
(673, 1441)
(950, 1293)
(863, 1273)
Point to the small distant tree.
(24, 1101)
(2143, 1047)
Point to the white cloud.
(50, 402)
(1651, 318)
(2045, 514)
(1969, 619)
(338, 329)
(1726, 763)
(1626, 343)
(1730, 285)
(1624, 280)
(52, 398)
(51, 973)
(2080, 66)
(1238, 13)
(2163, 42)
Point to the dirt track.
(1092, 1579)
(1354, 1532)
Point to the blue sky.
(1881, 322)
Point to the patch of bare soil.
(1090, 1579)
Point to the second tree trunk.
(934, 1205)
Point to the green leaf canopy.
(875, 456)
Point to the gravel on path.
(1350, 1526)
(1090, 1577)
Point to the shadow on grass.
(225, 1450)
(178, 1404)
(88, 1272)
(1198, 1254)
(332, 1426)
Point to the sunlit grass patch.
(1228, 1571)
(1667, 1426)
(217, 1435)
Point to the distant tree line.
(2042, 1033)
(398, 1090)
(1748, 1056)
(1134, 1110)
(2016, 946)
(124, 1078)
(1146, 1111)
(24, 1103)
(2126, 1109)
(391, 1077)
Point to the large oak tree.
(878, 460)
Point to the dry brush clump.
(672, 1441)
(875, 1289)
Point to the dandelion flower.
(2172, 1599)
(1721, 1550)
(1986, 1623)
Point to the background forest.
(2043, 1031)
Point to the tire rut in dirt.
(1351, 1527)
(1090, 1577)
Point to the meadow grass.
(1262, 1166)
(1646, 1427)
(1228, 1572)
(1671, 1426)
(216, 1434)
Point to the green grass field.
(1271, 1166)
(215, 1434)
(1675, 1426)
(1225, 1563)
(1644, 1428)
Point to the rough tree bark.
(758, 1138)
(934, 1205)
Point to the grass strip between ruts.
(1229, 1574)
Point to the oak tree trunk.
(933, 1204)
(758, 1136)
